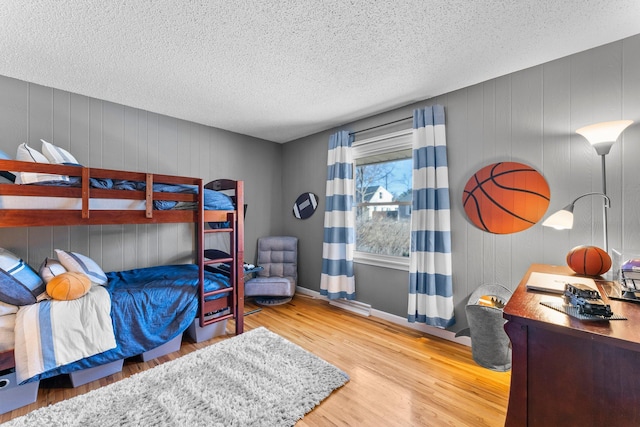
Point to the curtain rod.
(379, 126)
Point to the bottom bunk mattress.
(149, 307)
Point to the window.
(383, 199)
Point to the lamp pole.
(604, 207)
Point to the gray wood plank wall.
(108, 135)
(529, 116)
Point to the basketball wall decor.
(305, 205)
(588, 260)
(506, 197)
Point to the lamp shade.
(603, 135)
(561, 220)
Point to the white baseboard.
(366, 310)
(353, 306)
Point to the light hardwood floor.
(398, 376)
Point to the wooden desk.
(567, 371)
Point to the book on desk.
(554, 283)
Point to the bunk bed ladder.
(236, 242)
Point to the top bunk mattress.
(58, 174)
(68, 203)
(213, 200)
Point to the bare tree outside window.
(383, 196)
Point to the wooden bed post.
(240, 257)
(85, 192)
(149, 196)
(200, 251)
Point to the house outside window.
(383, 199)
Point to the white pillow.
(55, 154)
(28, 154)
(51, 268)
(79, 263)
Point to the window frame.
(394, 141)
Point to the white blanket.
(7, 323)
(53, 333)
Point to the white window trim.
(386, 261)
(395, 141)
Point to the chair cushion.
(278, 256)
(273, 286)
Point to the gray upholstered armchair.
(276, 283)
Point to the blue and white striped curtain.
(337, 280)
(430, 285)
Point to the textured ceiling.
(280, 70)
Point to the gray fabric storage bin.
(14, 396)
(87, 375)
(490, 344)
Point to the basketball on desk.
(588, 260)
(505, 197)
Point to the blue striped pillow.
(19, 284)
(79, 263)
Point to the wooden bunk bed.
(228, 302)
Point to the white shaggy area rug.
(254, 379)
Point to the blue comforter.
(213, 200)
(149, 307)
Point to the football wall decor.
(305, 205)
(505, 197)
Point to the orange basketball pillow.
(505, 197)
(68, 286)
(588, 260)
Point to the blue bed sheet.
(213, 200)
(149, 307)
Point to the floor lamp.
(601, 136)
